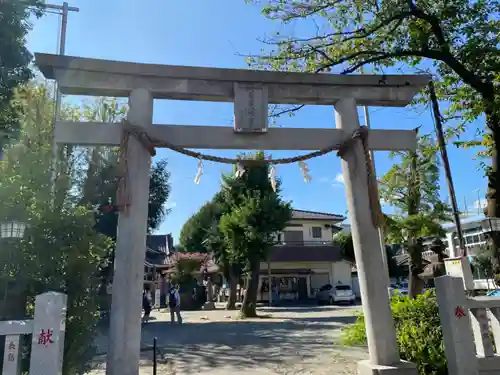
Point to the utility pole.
(64, 9)
(446, 164)
(479, 205)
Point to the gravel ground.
(286, 341)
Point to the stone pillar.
(458, 337)
(125, 321)
(373, 280)
(11, 362)
(209, 305)
(49, 326)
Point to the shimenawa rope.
(123, 195)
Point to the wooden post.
(125, 323)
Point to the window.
(316, 232)
(293, 236)
(342, 287)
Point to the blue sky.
(216, 34)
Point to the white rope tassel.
(272, 176)
(240, 170)
(199, 172)
(305, 171)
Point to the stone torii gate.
(251, 92)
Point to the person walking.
(174, 304)
(146, 306)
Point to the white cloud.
(479, 203)
(170, 205)
(476, 208)
(339, 178)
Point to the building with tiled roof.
(305, 257)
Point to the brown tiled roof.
(328, 253)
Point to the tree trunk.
(416, 285)
(248, 308)
(233, 281)
(492, 112)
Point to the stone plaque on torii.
(251, 92)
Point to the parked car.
(401, 289)
(332, 294)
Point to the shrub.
(418, 330)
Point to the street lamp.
(12, 229)
(8, 230)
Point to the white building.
(305, 257)
(474, 231)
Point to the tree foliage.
(194, 232)
(97, 179)
(256, 213)
(201, 233)
(344, 241)
(459, 39)
(238, 227)
(418, 330)
(60, 250)
(14, 61)
(482, 262)
(412, 187)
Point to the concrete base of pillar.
(402, 368)
(209, 306)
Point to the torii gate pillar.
(380, 330)
(125, 324)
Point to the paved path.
(286, 341)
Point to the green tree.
(14, 63)
(457, 41)
(201, 233)
(344, 241)
(60, 249)
(98, 176)
(194, 231)
(412, 187)
(482, 263)
(256, 213)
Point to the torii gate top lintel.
(85, 76)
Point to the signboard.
(460, 267)
(250, 108)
